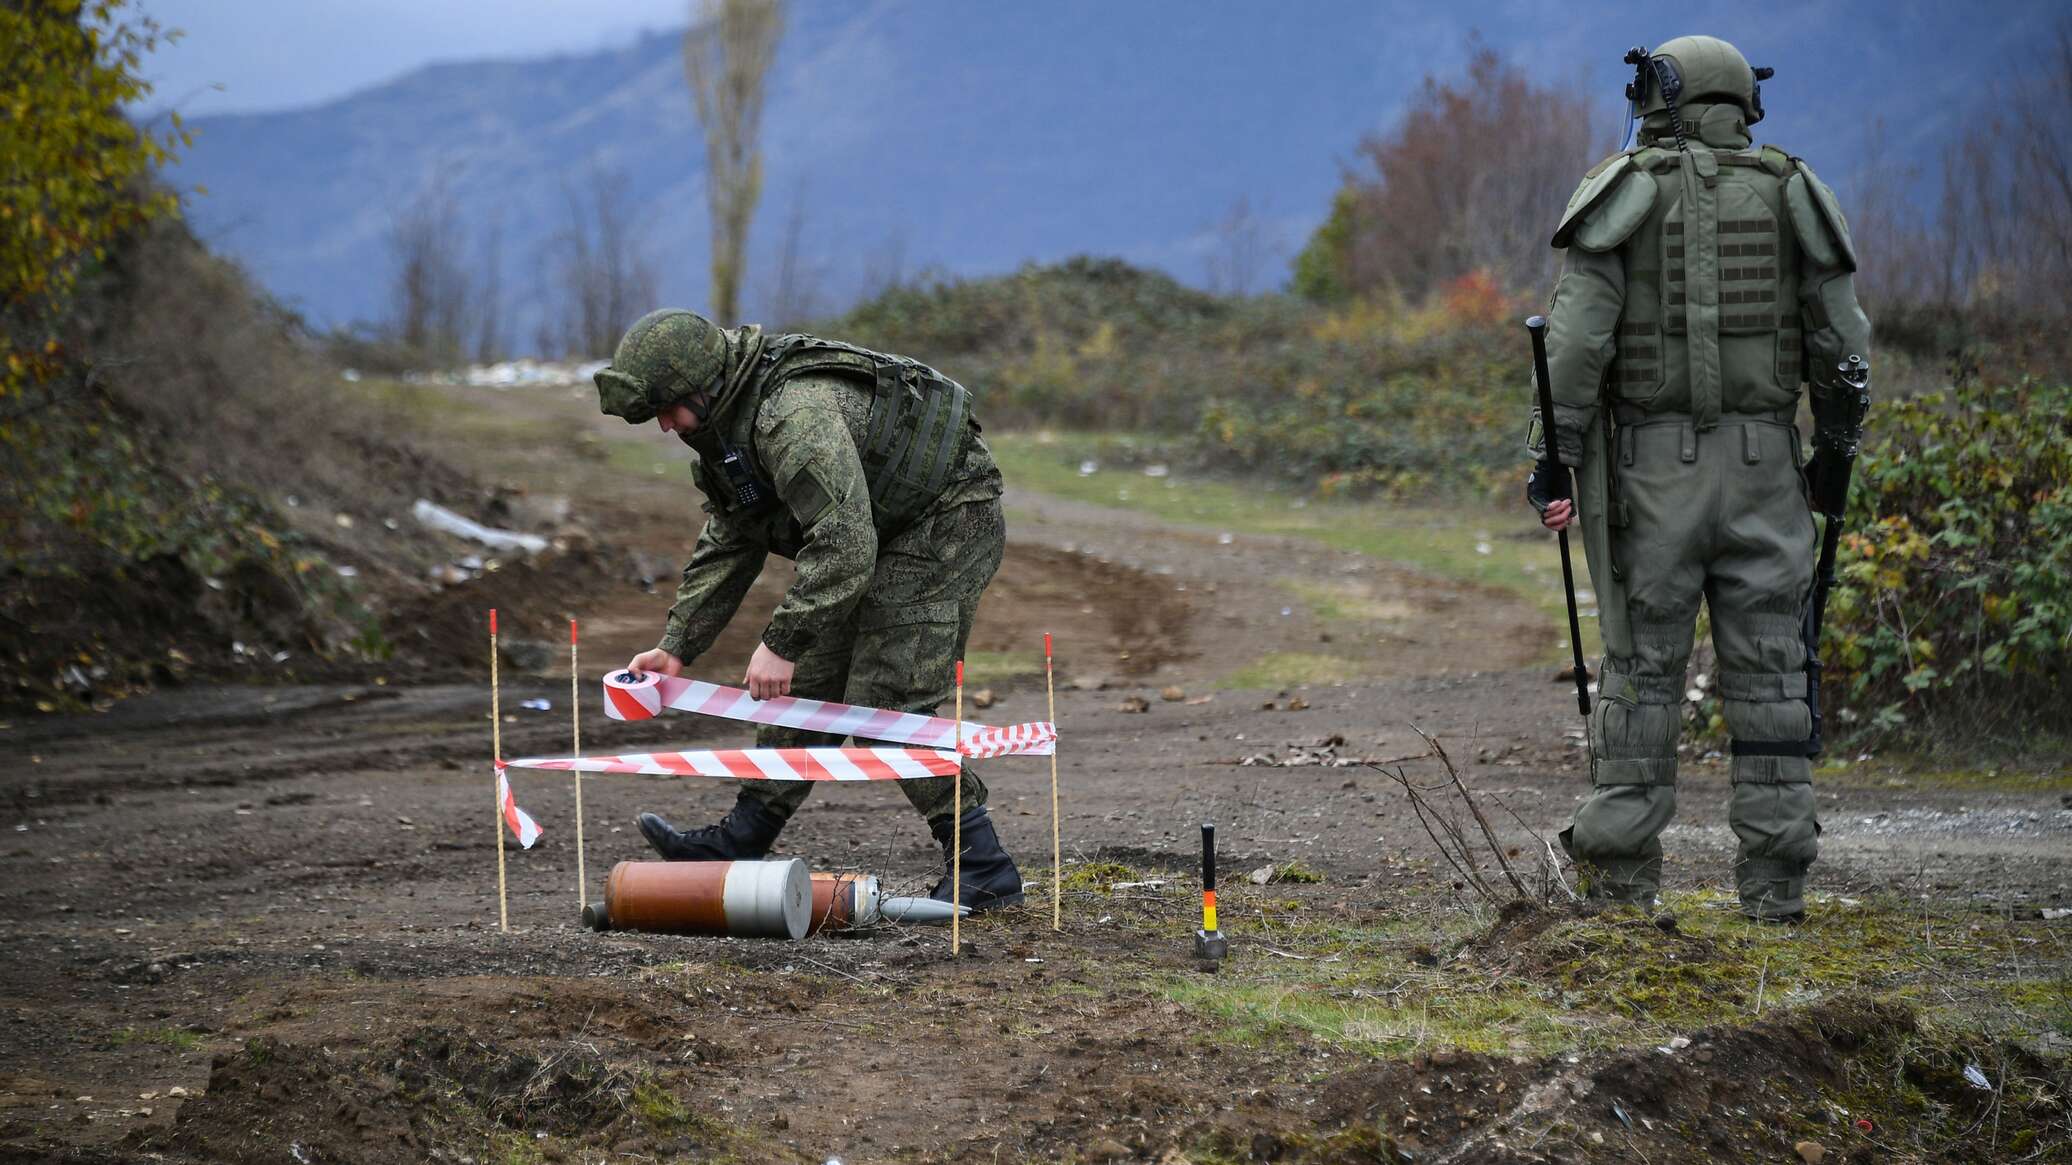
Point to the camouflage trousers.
(1718, 515)
(900, 647)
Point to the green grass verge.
(1470, 542)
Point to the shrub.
(1952, 612)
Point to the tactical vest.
(914, 437)
(1722, 261)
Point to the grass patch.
(1295, 872)
(1099, 876)
(170, 1037)
(994, 667)
(1287, 669)
(1901, 772)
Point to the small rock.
(1135, 704)
(1108, 1149)
(1261, 876)
(1811, 1152)
(984, 698)
(1087, 683)
(529, 655)
(1298, 704)
(1173, 695)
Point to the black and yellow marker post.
(1210, 947)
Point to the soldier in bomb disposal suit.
(1705, 280)
(869, 471)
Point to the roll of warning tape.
(633, 695)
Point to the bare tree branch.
(727, 54)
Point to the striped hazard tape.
(627, 697)
(765, 764)
(523, 827)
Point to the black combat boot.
(744, 834)
(990, 879)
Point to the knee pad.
(1633, 731)
(1768, 718)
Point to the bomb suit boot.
(746, 833)
(1705, 282)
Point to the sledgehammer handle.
(1537, 326)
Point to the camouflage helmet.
(1706, 67)
(666, 356)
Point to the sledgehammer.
(1210, 947)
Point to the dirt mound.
(458, 1091)
(441, 635)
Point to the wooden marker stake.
(957, 825)
(496, 750)
(575, 727)
(1057, 863)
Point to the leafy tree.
(73, 168)
(1320, 270)
(1472, 179)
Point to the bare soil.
(249, 923)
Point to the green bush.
(1952, 612)
(1359, 397)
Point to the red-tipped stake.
(496, 752)
(1057, 864)
(575, 728)
(957, 823)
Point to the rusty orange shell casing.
(744, 899)
(841, 901)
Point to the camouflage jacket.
(801, 442)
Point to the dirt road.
(251, 924)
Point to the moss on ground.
(1553, 981)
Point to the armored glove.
(1548, 483)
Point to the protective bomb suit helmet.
(1695, 68)
(665, 357)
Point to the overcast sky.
(278, 54)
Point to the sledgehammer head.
(1210, 948)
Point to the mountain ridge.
(970, 141)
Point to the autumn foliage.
(73, 167)
(1469, 184)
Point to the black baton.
(1537, 325)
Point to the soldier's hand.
(655, 659)
(769, 674)
(1547, 490)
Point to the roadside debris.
(440, 518)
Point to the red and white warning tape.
(766, 764)
(523, 827)
(628, 698)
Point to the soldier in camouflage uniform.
(1705, 280)
(868, 470)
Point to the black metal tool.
(1210, 947)
(1537, 326)
(1836, 443)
